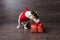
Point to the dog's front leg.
(24, 24)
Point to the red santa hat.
(26, 9)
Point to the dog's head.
(34, 14)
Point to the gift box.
(37, 27)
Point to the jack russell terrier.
(26, 17)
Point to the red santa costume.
(22, 16)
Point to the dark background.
(49, 13)
(49, 10)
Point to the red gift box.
(37, 27)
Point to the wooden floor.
(9, 32)
(49, 13)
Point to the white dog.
(26, 17)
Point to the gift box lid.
(37, 24)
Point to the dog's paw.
(18, 27)
(25, 28)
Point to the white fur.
(36, 20)
(28, 14)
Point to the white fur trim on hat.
(28, 14)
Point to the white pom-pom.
(28, 14)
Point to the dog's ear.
(34, 13)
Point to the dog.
(26, 17)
